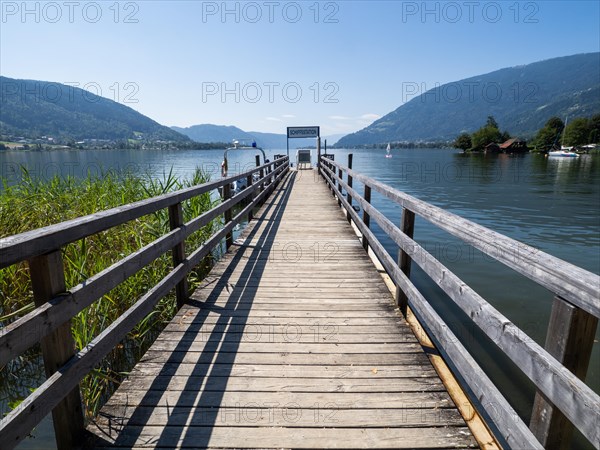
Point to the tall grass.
(35, 203)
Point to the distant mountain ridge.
(35, 108)
(227, 133)
(521, 99)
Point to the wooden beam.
(261, 174)
(366, 218)
(408, 228)
(348, 196)
(48, 280)
(227, 215)
(339, 186)
(176, 221)
(570, 338)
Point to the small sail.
(388, 150)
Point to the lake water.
(550, 204)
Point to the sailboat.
(564, 152)
(388, 150)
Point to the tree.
(548, 135)
(594, 125)
(491, 122)
(555, 123)
(486, 134)
(463, 142)
(577, 132)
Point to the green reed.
(34, 203)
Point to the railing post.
(408, 227)
(569, 339)
(366, 217)
(227, 215)
(249, 183)
(175, 221)
(47, 281)
(319, 156)
(339, 186)
(348, 196)
(261, 174)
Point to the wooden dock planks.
(291, 342)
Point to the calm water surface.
(550, 204)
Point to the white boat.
(564, 152)
(388, 150)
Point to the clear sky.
(266, 65)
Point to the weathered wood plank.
(288, 347)
(301, 438)
(187, 399)
(327, 415)
(206, 383)
(325, 334)
(351, 359)
(284, 371)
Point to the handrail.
(573, 283)
(579, 403)
(52, 315)
(24, 246)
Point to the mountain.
(35, 108)
(213, 133)
(521, 99)
(223, 133)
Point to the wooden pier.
(307, 333)
(292, 342)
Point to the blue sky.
(266, 65)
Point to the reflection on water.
(550, 204)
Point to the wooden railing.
(557, 371)
(49, 323)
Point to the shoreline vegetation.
(34, 203)
(48, 144)
(579, 133)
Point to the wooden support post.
(175, 221)
(333, 182)
(569, 339)
(48, 280)
(249, 182)
(348, 196)
(339, 186)
(227, 215)
(366, 217)
(319, 156)
(408, 227)
(262, 174)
